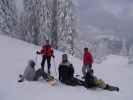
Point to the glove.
(53, 56)
(37, 52)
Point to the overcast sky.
(109, 16)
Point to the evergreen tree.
(124, 50)
(130, 55)
(101, 50)
(36, 20)
(8, 17)
(65, 26)
(31, 20)
(46, 19)
(54, 24)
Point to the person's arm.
(52, 52)
(60, 72)
(41, 51)
(91, 58)
(72, 69)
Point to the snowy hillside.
(14, 55)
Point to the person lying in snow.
(30, 74)
(66, 73)
(91, 81)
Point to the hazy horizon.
(105, 16)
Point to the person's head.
(86, 49)
(31, 63)
(64, 58)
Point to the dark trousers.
(73, 82)
(86, 68)
(44, 58)
(40, 73)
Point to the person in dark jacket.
(47, 53)
(66, 73)
(91, 81)
(87, 61)
(30, 74)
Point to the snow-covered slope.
(14, 55)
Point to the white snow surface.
(14, 55)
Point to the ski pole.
(55, 67)
(36, 58)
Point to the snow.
(13, 59)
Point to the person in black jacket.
(66, 73)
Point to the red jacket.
(88, 59)
(47, 51)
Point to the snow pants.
(44, 58)
(40, 73)
(73, 82)
(86, 68)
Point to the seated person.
(92, 81)
(30, 74)
(66, 73)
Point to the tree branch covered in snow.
(8, 17)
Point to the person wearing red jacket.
(47, 52)
(87, 61)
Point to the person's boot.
(117, 89)
(48, 71)
(21, 80)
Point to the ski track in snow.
(14, 55)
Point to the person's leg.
(111, 88)
(38, 74)
(84, 70)
(90, 66)
(49, 64)
(78, 81)
(70, 82)
(43, 62)
(45, 76)
(100, 83)
(103, 85)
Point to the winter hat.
(31, 63)
(85, 49)
(64, 58)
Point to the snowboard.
(51, 80)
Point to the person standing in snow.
(66, 73)
(87, 61)
(47, 53)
